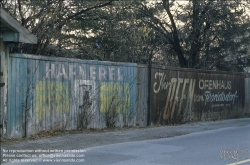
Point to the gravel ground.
(87, 139)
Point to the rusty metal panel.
(59, 93)
(142, 95)
(184, 95)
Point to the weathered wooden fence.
(184, 95)
(46, 93)
(247, 96)
(142, 95)
(1, 93)
(56, 93)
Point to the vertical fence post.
(149, 89)
(2, 85)
(247, 96)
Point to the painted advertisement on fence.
(115, 96)
(92, 89)
(49, 93)
(183, 96)
(52, 97)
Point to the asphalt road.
(224, 146)
(217, 147)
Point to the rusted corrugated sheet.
(247, 96)
(183, 95)
(59, 93)
(142, 95)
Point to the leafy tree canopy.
(204, 34)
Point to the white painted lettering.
(212, 97)
(229, 85)
(222, 84)
(162, 85)
(111, 73)
(119, 74)
(206, 84)
(201, 82)
(215, 84)
(102, 73)
(71, 71)
(61, 71)
(92, 72)
(50, 72)
(210, 86)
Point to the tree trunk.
(176, 42)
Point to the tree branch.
(88, 9)
(176, 46)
